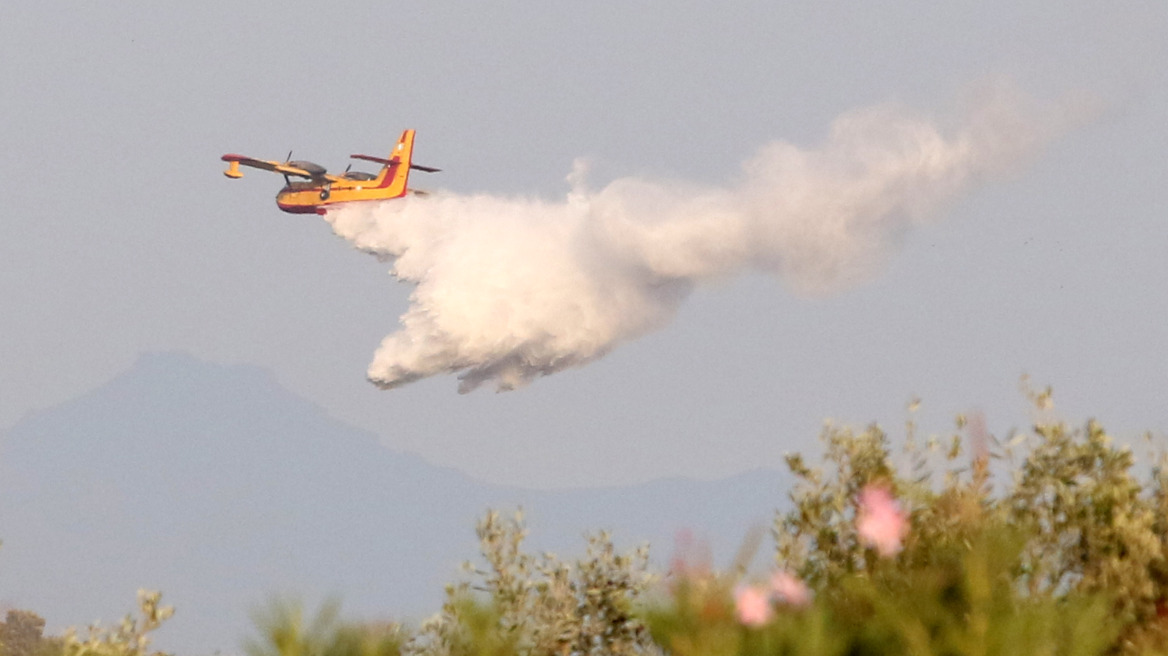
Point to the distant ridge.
(219, 487)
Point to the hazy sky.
(122, 236)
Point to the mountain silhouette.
(219, 487)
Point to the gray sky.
(123, 237)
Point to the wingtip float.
(321, 189)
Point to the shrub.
(130, 638)
(1048, 543)
(1067, 556)
(22, 634)
(525, 604)
(284, 632)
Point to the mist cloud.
(509, 289)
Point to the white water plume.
(509, 289)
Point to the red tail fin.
(395, 174)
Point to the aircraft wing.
(287, 168)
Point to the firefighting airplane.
(323, 189)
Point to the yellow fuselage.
(312, 197)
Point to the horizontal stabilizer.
(387, 162)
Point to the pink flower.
(881, 522)
(752, 605)
(790, 589)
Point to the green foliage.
(517, 604)
(1046, 544)
(467, 627)
(284, 632)
(1067, 556)
(22, 634)
(533, 605)
(130, 638)
(965, 602)
(961, 607)
(1092, 527)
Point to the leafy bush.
(22, 634)
(130, 638)
(528, 604)
(517, 603)
(1046, 543)
(963, 603)
(284, 632)
(1068, 556)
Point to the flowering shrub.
(1068, 556)
(1047, 543)
(964, 603)
(1065, 556)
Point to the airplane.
(323, 189)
